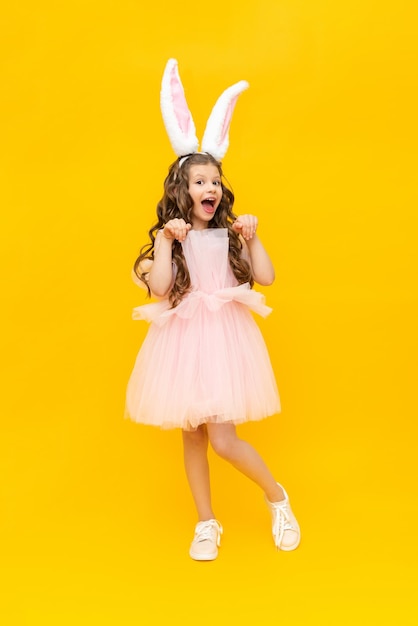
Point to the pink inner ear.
(227, 119)
(181, 109)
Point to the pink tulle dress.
(204, 360)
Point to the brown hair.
(177, 203)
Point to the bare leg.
(245, 458)
(195, 445)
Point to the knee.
(223, 446)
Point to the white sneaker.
(286, 531)
(206, 540)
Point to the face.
(205, 189)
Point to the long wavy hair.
(177, 203)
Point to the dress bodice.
(206, 254)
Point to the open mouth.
(208, 204)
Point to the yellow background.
(96, 517)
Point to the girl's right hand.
(176, 229)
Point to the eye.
(217, 182)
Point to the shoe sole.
(289, 548)
(203, 557)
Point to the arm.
(261, 265)
(263, 270)
(161, 273)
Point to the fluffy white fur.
(175, 111)
(179, 123)
(216, 137)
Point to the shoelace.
(207, 530)
(281, 523)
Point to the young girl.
(203, 366)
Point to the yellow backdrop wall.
(96, 515)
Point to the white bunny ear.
(216, 137)
(176, 115)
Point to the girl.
(203, 366)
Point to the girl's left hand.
(246, 225)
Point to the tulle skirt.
(212, 366)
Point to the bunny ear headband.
(179, 123)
